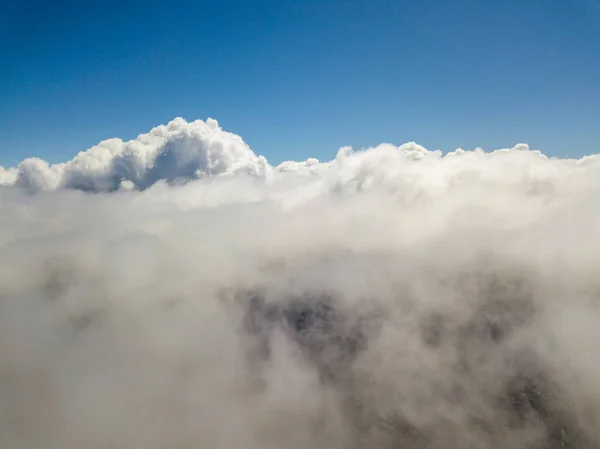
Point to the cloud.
(178, 151)
(391, 297)
(8, 177)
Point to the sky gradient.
(300, 79)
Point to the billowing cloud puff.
(8, 177)
(178, 151)
(393, 297)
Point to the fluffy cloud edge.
(182, 151)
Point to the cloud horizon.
(182, 151)
(392, 297)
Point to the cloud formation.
(8, 177)
(391, 297)
(178, 151)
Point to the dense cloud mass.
(179, 151)
(391, 298)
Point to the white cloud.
(8, 176)
(172, 152)
(180, 152)
(460, 285)
(37, 175)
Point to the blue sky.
(299, 79)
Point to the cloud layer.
(180, 152)
(392, 297)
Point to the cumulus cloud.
(392, 297)
(8, 177)
(178, 151)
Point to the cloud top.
(180, 152)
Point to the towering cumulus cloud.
(390, 298)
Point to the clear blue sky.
(300, 78)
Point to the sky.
(179, 289)
(300, 79)
(390, 298)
